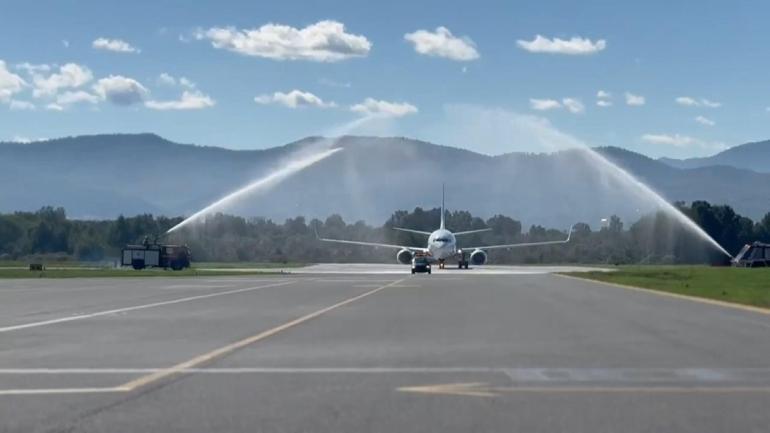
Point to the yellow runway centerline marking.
(222, 351)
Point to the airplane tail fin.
(443, 226)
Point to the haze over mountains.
(105, 175)
(751, 156)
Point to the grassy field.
(738, 285)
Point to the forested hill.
(654, 238)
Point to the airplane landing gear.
(441, 264)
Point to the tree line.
(654, 238)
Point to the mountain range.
(751, 156)
(102, 176)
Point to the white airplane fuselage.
(442, 244)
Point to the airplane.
(442, 245)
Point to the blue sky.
(684, 78)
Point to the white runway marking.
(523, 379)
(46, 391)
(556, 375)
(136, 307)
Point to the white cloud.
(682, 141)
(31, 68)
(573, 46)
(573, 105)
(10, 83)
(379, 108)
(544, 104)
(442, 43)
(184, 82)
(70, 75)
(604, 103)
(190, 100)
(167, 79)
(705, 121)
(634, 100)
(16, 105)
(602, 94)
(74, 97)
(114, 45)
(54, 107)
(170, 80)
(120, 90)
(324, 41)
(688, 101)
(294, 99)
(671, 139)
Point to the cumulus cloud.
(544, 104)
(571, 104)
(573, 46)
(324, 41)
(10, 83)
(169, 80)
(688, 101)
(441, 43)
(603, 98)
(32, 68)
(114, 45)
(379, 108)
(190, 100)
(634, 100)
(69, 97)
(294, 99)
(16, 105)
(70, 75)
(681, 141)
(705, 121)
(120, 90)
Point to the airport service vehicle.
(442, 245)
(754, 255)
(147, 255)
(420, 264)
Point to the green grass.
(127, 273)
(737, 285)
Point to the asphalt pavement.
(375, 352)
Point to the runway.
(396, 269)
(381, 352)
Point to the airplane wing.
(419, 232)
(522, 244)
(467, 232)
(372, 244)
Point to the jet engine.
(404, 257)
(478, 257)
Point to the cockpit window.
(442, 240)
